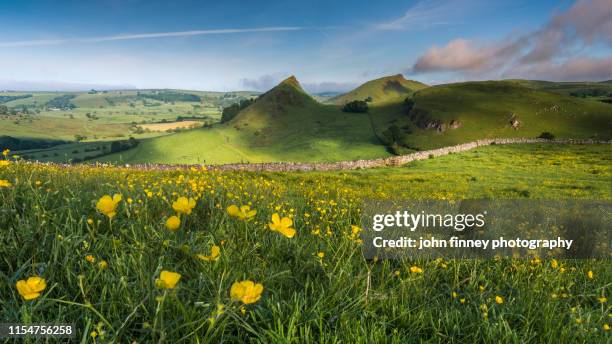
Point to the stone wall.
(359, 164)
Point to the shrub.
(357, 106)
(546, 136)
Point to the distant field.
(103, 117)
(170, 125)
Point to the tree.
(233, 110)
(3, 110)
(357, 106)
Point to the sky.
(329, 45)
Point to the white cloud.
(557, 51)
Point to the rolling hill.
(454, 113)
(283, 124)
(383, 90)
(287, 124)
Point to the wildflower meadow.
(193, 255)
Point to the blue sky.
(329, 45)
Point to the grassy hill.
(382, 90)
(284, 124)
(595, 91)
(454, 113)
(287, 124)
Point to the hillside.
(454, 113)
(596, 91)
(382, 90)
(283, 124)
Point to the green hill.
(382, 90)
(286, 124)
(283, 124)
(455, 113)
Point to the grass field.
(101, 274)
(486, 110)
(105, 116)
(171, 125)
(286, 124)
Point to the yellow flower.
(93, 334)
(590, 274)
(6, 152)
(184, 205)
(173, 223)
(416, 270)
(603, 299)
(103, 265)
(31, 288)
(215, 252)
(167, 279)
(5, 183)
(499, 300)
(4, 163)
(606, 327)
(90, 258)
(246, 291)
(108, 206)
(321, 254)
(90, 221)
(554, 264)
(282, 226)
(243, 213)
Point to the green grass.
(102, 117)
(485, 110)
(340, 298)
(284, 125)
(383, 90)
(288, 125)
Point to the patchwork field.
(110, 264)
(171, 125)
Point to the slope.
(455, 113)
(284, 124)
(383, 90)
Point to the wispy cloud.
(125, 37)
(426, 13)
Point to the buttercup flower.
(183, 205)
(31, 288)
(5, 183)
(103, 265)
(6, 152)
(4, 163)
(590, 274)
(282, 226)
(243, 213)
(416, 270)
(173, 223)
(246, 291)
(215, 252)
(167, 279)
(499, 300)
(90, 258)
(108, 206)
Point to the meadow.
(198, 256)
(101, 117)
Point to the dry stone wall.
(359, 164)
